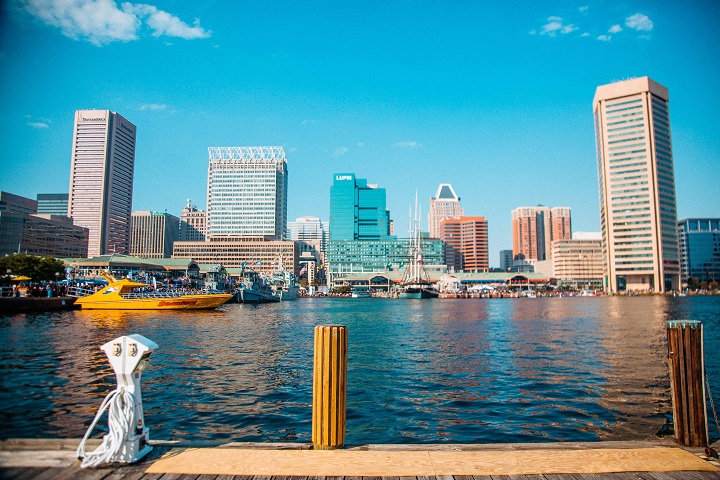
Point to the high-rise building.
(445, 204)
(357, 209)
(466, 243)
(506, 260)
(11, 203)
(247, 192)
(52, 204)
(306, 229)
(700, 249)
(636, 181)
(22, 230)
(578, 262)
(152, 234)
(193, 224)
(534, 228)
(101, 179)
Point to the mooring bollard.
(329, 387)
(687, 367)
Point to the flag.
(243, 265)
(303, 270)
(259, 262)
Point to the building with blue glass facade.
(699, 240)
(357, 209)
(360, 239)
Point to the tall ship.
(416, 281)
(127, 294)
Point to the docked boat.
(284, 284)
(254, 289)
(127, 294)
(418, 290)
(360, 293)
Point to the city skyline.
(500, 109)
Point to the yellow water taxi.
(126, 294)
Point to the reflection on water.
(521, 370)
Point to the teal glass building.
(357, 210)
(360, 240)
(700, 249)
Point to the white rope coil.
(121, 414)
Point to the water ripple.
(564, 369)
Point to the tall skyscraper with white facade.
(638, 214)
(101, 179)
(247, 192)
(445, 204)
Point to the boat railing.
(166, 293)
(79, 292)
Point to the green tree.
(37, 268)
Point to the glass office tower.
(357, 209)
(700, 249)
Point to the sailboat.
(416, 282)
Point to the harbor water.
(419, 371)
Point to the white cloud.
(615, 29)
(102, 21)
(340, 151)
(41, 125)
(604, 38)
(153, 106)
(639, 22)
(407, 145)
(163, 23)
(360, 144)
(555, 25)
(582, 9)
(586, 34)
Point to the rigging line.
(712, 403)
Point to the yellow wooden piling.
(329, 387)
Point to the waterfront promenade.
(650, 460)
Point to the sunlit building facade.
(261, 255)
(247, 192)
(466, 243)
(535, 228)
(101, 179)
(193, 224)
(445, 204)
(636, 181)
(578, 262)
(152, 234)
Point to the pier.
(652, 460)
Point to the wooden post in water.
(329, 387)
(687, 367)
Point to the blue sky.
(494, 98)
